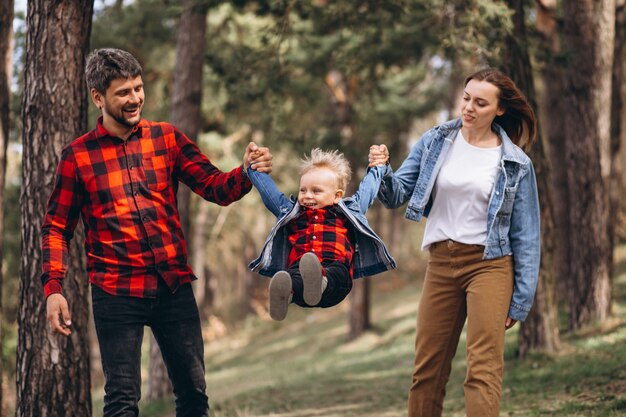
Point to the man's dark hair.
(108, 64)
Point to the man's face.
(122, 103)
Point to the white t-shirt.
(461, 194)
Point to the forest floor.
(304, 367)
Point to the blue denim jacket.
(370, 253)
(513, 210)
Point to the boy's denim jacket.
(370, 253)
(513, 210)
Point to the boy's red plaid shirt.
(321, 231)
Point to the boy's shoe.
(311, 271)
(280, 295)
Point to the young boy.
(321, 241)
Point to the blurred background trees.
(293, 75)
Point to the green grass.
(303, 367)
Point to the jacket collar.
(510, 151)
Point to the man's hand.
(58, 314)
(259, 159)
(509, 323)
(379, 155)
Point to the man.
(122, 178)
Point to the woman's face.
(480, 104)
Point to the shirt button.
(131, 167)
(144, 218)
(315, 217)
(314, 237)
(136, 193)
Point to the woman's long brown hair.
(518, 120)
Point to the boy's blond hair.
(333, 160)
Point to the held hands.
(379, 155)
(58, 314)
(259, 159)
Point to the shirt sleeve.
(59, 223)
(369, 186)
(196, 171)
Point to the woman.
(472, 180)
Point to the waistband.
(450, 244)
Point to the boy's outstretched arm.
(273, 199)
(368, 188)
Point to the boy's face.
(319, 188)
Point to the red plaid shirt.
(321, 231)
(126, 194)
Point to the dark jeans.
(175, 324)
(338, 288)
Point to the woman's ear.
(500, 111)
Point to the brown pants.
(459, 284)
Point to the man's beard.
(119, 118)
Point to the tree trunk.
(6, 39)
(553, 128)
(52, 370)
(359, 308)
(341, 94)
(589, 39)
(540, 330)
(617, 107)
(186, 115)
(186, 112)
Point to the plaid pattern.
(126, 194)
(321, 231)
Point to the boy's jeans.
(338, 287)
(175, 324)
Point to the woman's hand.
(509, 323)
(379, 155)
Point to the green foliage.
(145, 28)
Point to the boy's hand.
(259, 159)
(379, 155)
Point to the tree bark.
(359, 308)
(186, 114)
(553, 128)
(52, 370)
(540, 330)
(617, 107)
(6, 61)
(589, 38)
(186, 111)
(341, 94)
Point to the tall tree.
(52, 371)
(342, 92)
(540, 330)
(186, 114)
(589, 28)
(6, 61)
(617, 107)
